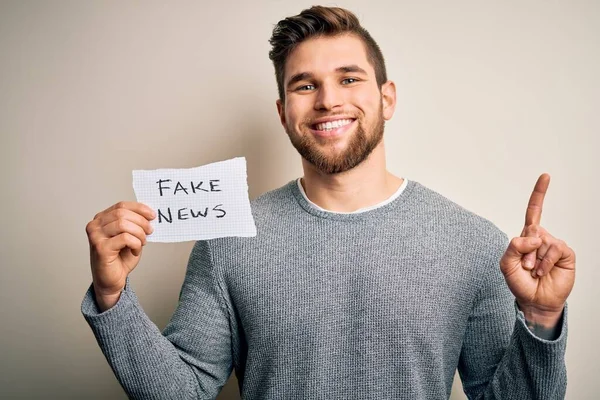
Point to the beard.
(359, 147)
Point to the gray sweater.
(384, 304)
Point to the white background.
(490, 95)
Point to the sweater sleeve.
(190, 359)
(501, 358)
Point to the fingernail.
(528, 264)
(540, 272)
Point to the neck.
(365, 185)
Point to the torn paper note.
(200, 203)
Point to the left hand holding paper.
(197, 203)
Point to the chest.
(351, 292)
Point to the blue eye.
(348, 81)
(305, 88)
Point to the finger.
(538, 256)
(124, 226)
(126, 215)
(128, 255)
(519, 246)
(547, 241)
(528, 261)
(121, 241)
(134, 206)
(533, 216)
(554, 253)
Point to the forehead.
(323, 55)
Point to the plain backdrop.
(490, 95)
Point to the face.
(334, 111)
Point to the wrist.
(106, 301)
(547, 319)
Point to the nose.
(328, 97)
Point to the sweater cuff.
(92, 313)
(530, 338)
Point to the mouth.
(332, 128)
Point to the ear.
(281, 111)
(388, 98)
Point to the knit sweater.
(382, 304)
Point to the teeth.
(327, 126)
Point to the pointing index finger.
(533, 216)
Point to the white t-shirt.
(360, 210)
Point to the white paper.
(199, 203)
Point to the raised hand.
(116, 236)
(539, 269)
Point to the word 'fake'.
(213, 185)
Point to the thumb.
(131, 257)
(520, 246)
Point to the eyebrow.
(307, 75)
(351, 68)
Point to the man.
(359, 284)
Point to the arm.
(539, 270)
(191, 360)
(501, 357)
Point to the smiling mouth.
(331, 125)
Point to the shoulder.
(476, 242)
(274, 202)
(428, 201)
(474, 231)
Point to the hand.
(539, 269)
(116, 236)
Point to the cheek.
(294, 113)
(368, 100)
